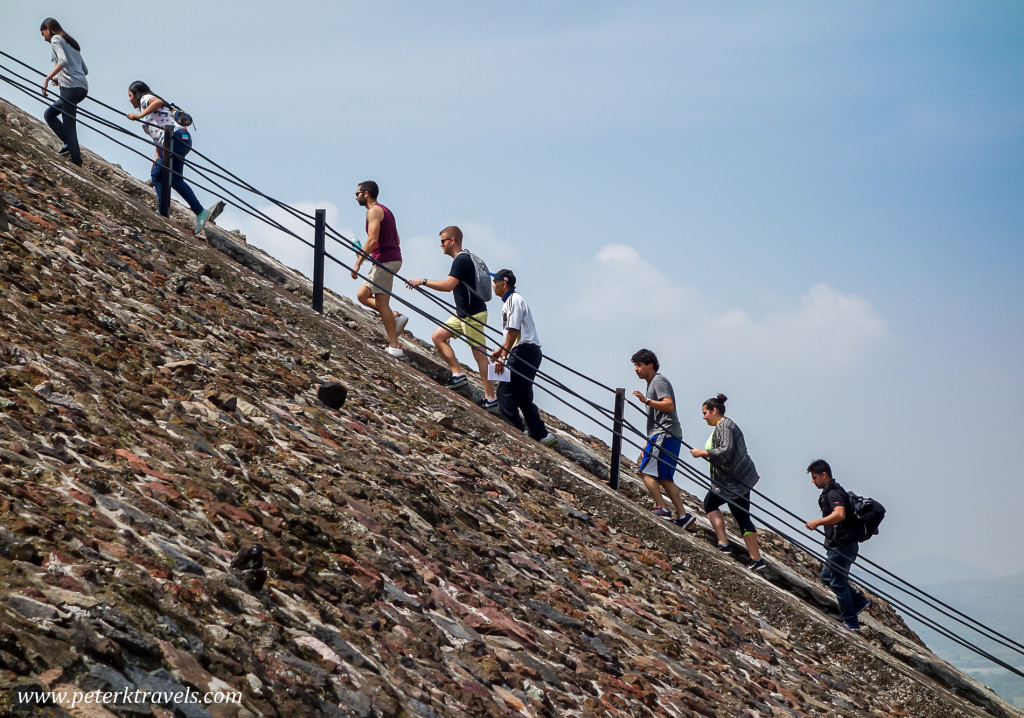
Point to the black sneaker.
(852, 623)
(456, 381)
(486, 403)
(685, 522)
(724, 547)
(64, 151)
(757, 565)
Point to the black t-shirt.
(831, 496)
(467, 303)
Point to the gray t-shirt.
(662, 422)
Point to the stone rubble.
(206, 485)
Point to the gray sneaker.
(400, 321)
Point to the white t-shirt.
(515, 314)
(161, 118)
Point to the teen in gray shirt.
(68, 73)
(662, 422)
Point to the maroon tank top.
(387, 240)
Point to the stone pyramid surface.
(179, 511)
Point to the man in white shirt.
(518, 359)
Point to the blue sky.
(812, 208)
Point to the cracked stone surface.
(180, 509)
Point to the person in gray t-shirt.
(657, 463)
(68, 73)
(661, 422)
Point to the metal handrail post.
(620, 408)
(318, 259)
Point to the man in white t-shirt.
(518, 359)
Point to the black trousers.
(516, 394)
(67, 131)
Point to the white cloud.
(825, 331)
(286, 248)
(482, 240)
(619, 284)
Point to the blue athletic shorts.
(664, 450)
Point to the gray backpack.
(483, 278)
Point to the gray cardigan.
(74, 72)
(732, 469)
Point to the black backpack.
(867, 515)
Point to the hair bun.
(722, 398)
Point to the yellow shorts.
(471, 329)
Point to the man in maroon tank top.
(382, 244)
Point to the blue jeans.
(836, 575)
(181, 145)
(67, 131)
(516, 394)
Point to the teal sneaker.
(201, 219)
(208, 215)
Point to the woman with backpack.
(68, 74)
(156, 114)
(733, 475)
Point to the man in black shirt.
(470, 316)
(840, 542)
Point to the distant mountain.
(995, 602)
(934, 569)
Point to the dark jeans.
(836, 575)
(181, 145)
(67, 130)
(516, 394)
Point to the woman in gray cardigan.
(732, 476)
(68, 73)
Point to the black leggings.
(738, 505)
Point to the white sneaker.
(396, 352)
(400, 321)
(549, 440)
